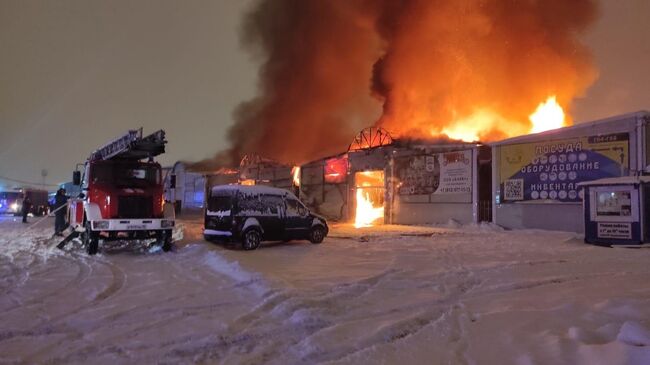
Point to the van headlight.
(165, 223)
(100, 224)
(14, 206)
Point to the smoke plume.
(418, 68)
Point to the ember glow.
(336, 170)
(549, 115)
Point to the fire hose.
(50, 214)
(42, 219)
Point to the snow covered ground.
(407, 295)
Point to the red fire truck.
(122, 194)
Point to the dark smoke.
(430, 63)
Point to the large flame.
(480, 125)
(366, 214)
(548, 115)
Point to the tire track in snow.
(454, 281)
(57, 324)
(266, 330)
(52, 324)
(83, 270)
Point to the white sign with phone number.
(455, 173)
(615, 230)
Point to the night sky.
(74, 74)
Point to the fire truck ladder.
(132, 146)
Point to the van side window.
(250, 203)
(219, 203)
(272, 204)
(295, 208)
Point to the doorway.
(370, 195)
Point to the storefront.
(404, 182)
(536, 177)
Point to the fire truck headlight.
(166, 223)
(100, 225)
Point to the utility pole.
(43, 175)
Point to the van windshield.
(219, 203)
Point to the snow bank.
(635, 334)
(233, 270)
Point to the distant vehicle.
(252, 214)
(11, 202)
(40, 204)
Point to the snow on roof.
(557, 133)
(623, 180)
(250, 189)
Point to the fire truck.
(122, 194)
(11, 202)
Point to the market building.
(185, 188)
(535, 177)
(385, 180)
(188, 187)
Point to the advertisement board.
(551, 170)
(440, 173)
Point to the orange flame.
(481, 124)
(548, 115)
(295, 172)
(366, 214)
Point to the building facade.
(535, 177)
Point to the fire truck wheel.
(167, 243)
(251, 240)
(317, 234)
(90, 240)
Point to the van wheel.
(90, 240)
(317, 234)
(251, 240)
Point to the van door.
(219, 213)
(297, 222)
(270, 217)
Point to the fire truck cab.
(122, 193)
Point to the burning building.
(257, 170)
(403, 181)
(444, 75)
